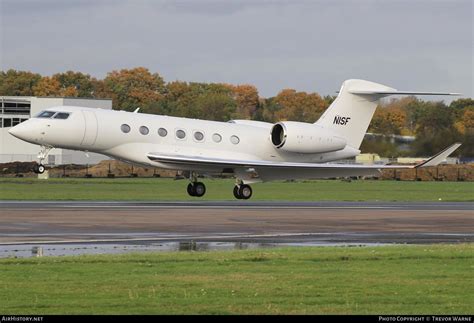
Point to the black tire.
(245, 192)
(199, 189)
(236, 192)
(41, 169)
(35, 169)
(191, 191)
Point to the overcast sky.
(305, 45)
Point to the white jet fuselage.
(98, 130)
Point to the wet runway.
(114, 226)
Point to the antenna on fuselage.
(136, 110)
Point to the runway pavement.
(423, 206)
(85, 227)
(62, 222)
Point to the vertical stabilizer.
(350, 114)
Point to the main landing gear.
(242, 192)
(195, 188)
(39, 168)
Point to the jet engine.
(306, 138)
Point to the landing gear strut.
(242, 192)
(196, 188)
(39, 168)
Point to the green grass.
(219, 189)
(436, 279)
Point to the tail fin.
(351, 112)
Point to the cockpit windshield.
(53, 114)
(61, 115)
(45, 114)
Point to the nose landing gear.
(39, 168)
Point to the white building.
(16, 109)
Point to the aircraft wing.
(232, 163)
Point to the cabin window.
(235, 140)
(61, 115)
(217, 137)
(144, 130)
(180, 134)
(46, 114)
(198, 135)
(162, 132)
(125, 128)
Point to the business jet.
(251, 151)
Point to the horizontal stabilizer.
(384, 93)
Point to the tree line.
(435, 124)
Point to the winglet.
(439, 157)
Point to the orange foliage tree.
(295, 106)
(47, 86)
(133, 88)
(246, 98)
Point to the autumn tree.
(47, 86)
(75, 84)
(246, 98)
(211, 101)
(295, 106)
(435, 129)
(465, 125)
(18, 83)
(215, 106)
(133, 88)
(468, 119)
(389, 120)
(100, 90)
(462, 104)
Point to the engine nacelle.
(306, 138)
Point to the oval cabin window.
(180, 134)
(162, 132)
(144, 130)
(235, 140)
(199, 136)
(216, 137)
(125, 128)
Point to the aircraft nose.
(21, 131)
